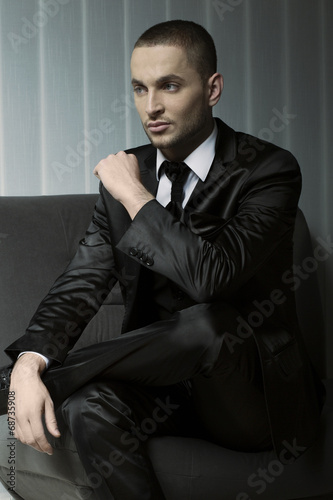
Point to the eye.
(139, 90)
(171, 87)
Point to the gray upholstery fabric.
(39, 476)
(39, 236)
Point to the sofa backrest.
(39, 236)
(308, 300)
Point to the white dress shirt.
(199, 162)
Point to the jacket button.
(179, 295)
(144, 257)
(149, 261)
(133, 251)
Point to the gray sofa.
(38, 236)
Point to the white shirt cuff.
(47, 361)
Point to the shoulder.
(264, 159)
(252, 166)
(142, 152)
(249, 153)
(252, 149)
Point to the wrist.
(29, 364)
(136, 201)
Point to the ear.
(215, 86)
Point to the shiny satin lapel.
(148, 173)
(205, 195)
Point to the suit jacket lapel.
(148, 172)
(205, 193)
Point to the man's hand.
(32, 401)
(120, 175)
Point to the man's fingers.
(38, 439)
(32, 434)
(17, 432)
(50, 419)
(32, 402)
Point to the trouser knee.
(201, 328)
(93, 401)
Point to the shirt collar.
(200, 160)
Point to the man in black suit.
(197, 227)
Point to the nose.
(154, 104)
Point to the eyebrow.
(162, 79)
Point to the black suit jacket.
(233, 244)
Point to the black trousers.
(120, 392)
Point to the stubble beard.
(190, 131)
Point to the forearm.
(29, 363)
(64, 313)
(217, 263)
(74, 298)
(44, 358)
(136, 200)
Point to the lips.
(158, 126)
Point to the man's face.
(171, 99)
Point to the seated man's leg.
(188, 346)
(227, 391)
(162, 353)
(230, 402)
(111, 422)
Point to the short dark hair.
(196, 41)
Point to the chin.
(159, 143)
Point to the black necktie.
(177, 173)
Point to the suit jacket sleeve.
(218, 264)
(75, 296)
